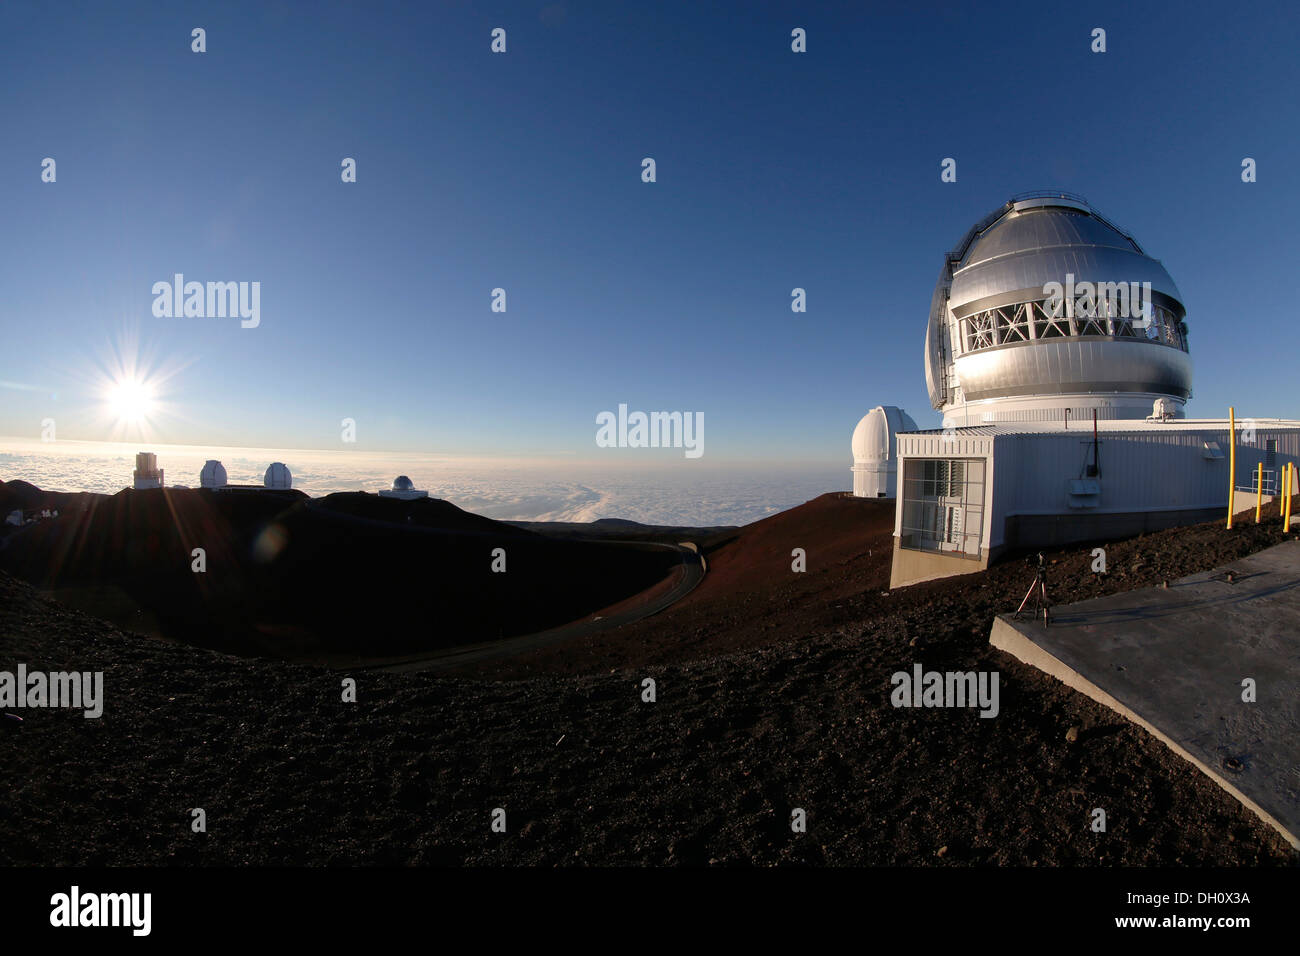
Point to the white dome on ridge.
(403, 489)
(874, 445)
(873, 439)
(278, 476)
(213, 474)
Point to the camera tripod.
(1037, 591)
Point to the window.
(943, 504)
(1028, 321)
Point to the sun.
(129, 392)
(130, 401)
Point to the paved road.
(690, 574)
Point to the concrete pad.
(1173, 660)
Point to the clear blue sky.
(522, 170)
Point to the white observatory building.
(147, 474)
(875, 459)
(277, 477)
(213, 475)
(404, 489)
(1057, 352)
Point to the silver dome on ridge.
(1000, 348)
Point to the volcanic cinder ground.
(772, 694)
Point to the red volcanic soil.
(834, 531)
(291, 577)
(751, 597)
(771, 696)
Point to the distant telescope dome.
(278, 477)
(1163, 409)
(873, 439)
(875, 451)
(213, 474)
(404, 490)
(1046, 311)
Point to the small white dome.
(873, 439)
(213, 474)
(875, 457)
(277, 476)
(402, 483)
(1163, 409)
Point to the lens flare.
(130, 401)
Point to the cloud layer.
(686, 493)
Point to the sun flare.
(130, 401)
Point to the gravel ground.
(795, 715)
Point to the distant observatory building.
(875, 458)
(213, 475)
(278, 477)
(1057, 353)
(147, 474)
(404, 489)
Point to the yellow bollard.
(1259, 490)
(1232, 461)
(1281, 493)
(1281, 496)
(1281, 482)
(1290, 490)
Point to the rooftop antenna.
(1095, 470)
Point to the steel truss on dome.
(1030, 321)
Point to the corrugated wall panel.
(1139, 472)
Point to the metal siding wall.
(1146, 471)
(1250, 455)
(1004, 470)
(941, 446)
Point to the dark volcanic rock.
(293, 577)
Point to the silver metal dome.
(402, 483)
(278, 476)
(1000, 348)
(213, 474)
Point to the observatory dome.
(1046, 309)
(403, 489)
(278, 477)
(873, 439)
(874, 451)
(213, 474)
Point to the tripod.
(1037, 591)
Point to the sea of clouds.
(678, 493)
